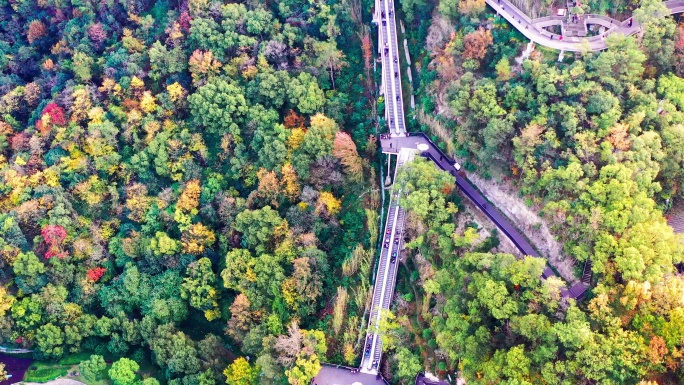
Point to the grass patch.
(45, 371)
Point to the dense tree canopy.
(172, 192)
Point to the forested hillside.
(186, 183)
(189, 193)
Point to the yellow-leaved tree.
(327, 204)
(187, 204)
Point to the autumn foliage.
(148, 148)
(475, 44)
(53, 115)
(292, 120)
(36, 30)
(96, 33)
(53, 236)
(345, 150)
(96, 273)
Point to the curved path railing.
(8, 350)
(392, 145)
(534, 29)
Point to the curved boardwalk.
(534, 29)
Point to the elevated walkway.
(386, 274)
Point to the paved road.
(532, 29)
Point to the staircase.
(575, 25)
(587, 274)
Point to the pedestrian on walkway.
(390, 145)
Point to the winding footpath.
(533, 29)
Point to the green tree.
(154, 381)
(258, 228)
(165, 62)
(240, 372)
(123, 371)
(175, 351)
(409, 7)
(328, 56)
(29, 271)
(219, 106)
(82, 66)
(304, 93)
(93, 368)
(659, 32)
(423, 190)
(318, 142)
(671, 87)
(304, 370)
(50, 340)
(408, 364)
(620, 64)
(199, 288)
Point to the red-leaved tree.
(184, 21)
(54, 235)
(56, 118)
(56, 114)
(96, 33)
(96, 273)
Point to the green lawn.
(45, 371)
